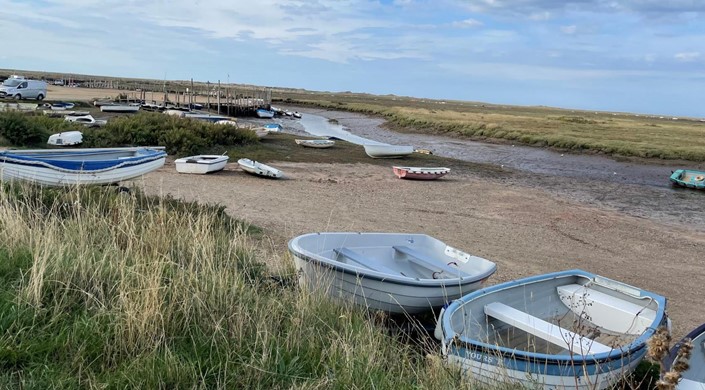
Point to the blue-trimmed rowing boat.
(66, 167)
(569, 329)
(689, 178)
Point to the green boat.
(689, 178)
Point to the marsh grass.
(114, 290)
(622, 134)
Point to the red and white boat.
(420, 173)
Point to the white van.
(20, 88)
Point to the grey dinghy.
(562, 330)
(393, 272)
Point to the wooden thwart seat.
(365, 262)
(431, 264)
(554, 334)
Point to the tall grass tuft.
(104, 289)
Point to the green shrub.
(179, 136)
(20, 130)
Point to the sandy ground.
(526, 231)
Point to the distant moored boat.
(387, 151)
(262, 113)
(689, 178)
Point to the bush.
(180, 136)
(20, 130)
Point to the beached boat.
(67, 138)
(315, 143)
(260, 132)
(230, 122)
(274, 127)
(569, 329)
(296, 114)
(689, 178)
(393, 272)
(74, 113)
(259, 169)
(200, 116)
(694, 377)
(201, 164)
(387, 151)
(420, 173)
(65, 167)
(17, 106)
(120, 108)
(86, 120)
(62, 106)
(262, 113)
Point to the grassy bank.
(100, 289)
(618, 134)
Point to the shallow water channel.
(638, 188)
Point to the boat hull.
(315, 143)
(512, 332)
(689, 178)
(119, 109)
(43, 173)
(201, 165)
(490, 369)
(390, 291)
(388, 151)
(259, 169)
(418, 173)
(264, 114)
(68, 138)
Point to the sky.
(640, 56)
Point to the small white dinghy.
(393, 272)
(66, 138)
(259, 169)
(86, 120)
(315, 143)
(388, 151)
(201, 164)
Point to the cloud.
(537, 7)
(687, 57)
(467, 23)
(570, 30)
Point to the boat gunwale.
(617, 353)
(381, 276)
(670, 359)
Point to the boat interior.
(690, 176)
(556, 317)
(407, 262)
